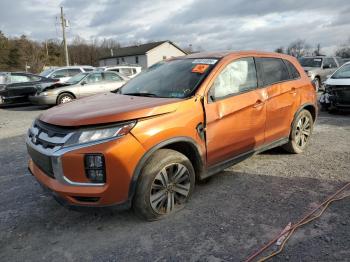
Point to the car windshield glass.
(176, 78)
(76, 79)
(310, 62)
(343, 72)
(46, 72)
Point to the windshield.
(343, 72)
(177, 78)
(76, 79)
(47, 72)
(310, 62)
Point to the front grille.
(342, 94)
(45, 140)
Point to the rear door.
(111, 81)
(283, 96)
(235, 112)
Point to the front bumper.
(69, 183)
(43, 100)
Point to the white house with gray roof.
(144, 55)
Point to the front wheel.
(64, 98)
(300, 134)
(166, 183)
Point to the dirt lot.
(227, 219)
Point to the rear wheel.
(300, 133)
(64, 98)
(166, 183)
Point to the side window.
(273, 70)
(126, 71)
(19, 79)
(73, 72)
(108, 76)
(329, 63)
(94, 78)
(293, 72)
(239, 76)
(60, 73)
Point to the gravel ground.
(227, 219)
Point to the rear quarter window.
(293, 72)
(271, 71)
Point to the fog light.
(95, 168)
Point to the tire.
(157, 193)
(300, 133)
(64, 98)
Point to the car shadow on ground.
(24, 107)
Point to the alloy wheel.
(303, 131)
(170, 188)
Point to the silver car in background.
(81, 85)
(319, 67)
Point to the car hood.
(107, 108)
(338, 82)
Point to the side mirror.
(326, 66)
(83, 83)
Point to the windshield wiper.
(140, 94)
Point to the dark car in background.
(16, 87)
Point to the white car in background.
(337, 90)
(64, 73)
(128, 70)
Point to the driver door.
(91, 85)
(235, 112)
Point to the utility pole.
(64, 25)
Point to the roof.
(221, 54)
(139, 49)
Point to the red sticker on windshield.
(200, 68)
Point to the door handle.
(258, 103)
(293, 90)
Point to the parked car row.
(63, 84)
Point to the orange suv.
(182, 120)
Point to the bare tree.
(344, 50)
(280, 50)
(298, 48)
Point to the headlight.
(44, 94)
(86, 136)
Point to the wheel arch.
(309, 107)
(65, 92)
(185, 145)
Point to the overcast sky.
(211, 25)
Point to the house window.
(136, 59)
(164, 57)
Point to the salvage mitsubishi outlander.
(145, 144)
